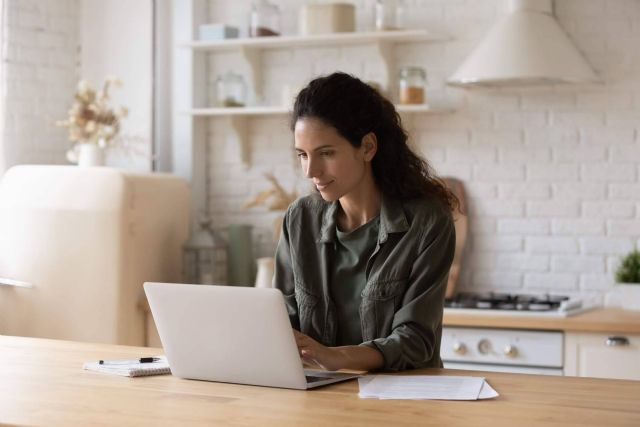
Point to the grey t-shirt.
(353, 250)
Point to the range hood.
(527, 47)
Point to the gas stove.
(515, 304)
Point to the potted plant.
(627, 275)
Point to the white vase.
(624, 295)
(90, 155)
(264, 277)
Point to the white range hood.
(527, 47)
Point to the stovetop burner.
(503, 301)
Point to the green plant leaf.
(629, 269)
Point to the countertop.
(607, 320)
(43, 384)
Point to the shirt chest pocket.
(380, 301)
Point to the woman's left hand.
(312, 352)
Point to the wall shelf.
(238, 117)
(274, 111)
(423, 109)
(237, 111)
(398, 36)
(250, 48)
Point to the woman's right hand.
(315, 354)
(355, 357)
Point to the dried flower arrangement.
(91, 119)
(281, 200)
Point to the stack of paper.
(424, 387)
(134, 369)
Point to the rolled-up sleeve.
(417, 326)
(283, 278)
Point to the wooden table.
(42, 383)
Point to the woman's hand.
(356, 357)
(314, 353)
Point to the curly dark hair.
(355, 109)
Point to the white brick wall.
(551, 173)
(40, 65)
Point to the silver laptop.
(232, 335)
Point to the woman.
(363, 263)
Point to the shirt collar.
(392, 220)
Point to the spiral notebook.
(136, 369)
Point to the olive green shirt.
(352, 251)
(406, 275)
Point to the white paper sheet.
(487, 392)
(424, 387)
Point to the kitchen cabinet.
(191, 112)
(586, 352)
(602, 355)
(503, 350)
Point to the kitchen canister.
(327, 18)
(241, 260)
(231, 90)
(264, 19)
(389, 15)
(412, 83)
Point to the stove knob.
(459, 348)
(484, 346)
(510, 350)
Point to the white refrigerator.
(76, 245)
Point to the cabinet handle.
(617, 341)
(11, 282)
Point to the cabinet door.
(602, 355)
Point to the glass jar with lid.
(231, 90)
(412, 84)
(264, 19)
(389, 15)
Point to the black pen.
(129, 362)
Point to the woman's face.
(335, 167)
